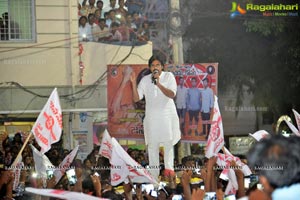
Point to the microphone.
(154, 80)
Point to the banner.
(98, 130)
(125, 118)
(123, 166)
(65, 164)
(62, 194)
(48, 126)
(197, 84)
(216, 136)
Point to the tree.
(254, 52)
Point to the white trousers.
(153, 154)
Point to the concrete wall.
(52, 60)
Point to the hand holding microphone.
(155, 76)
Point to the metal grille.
(16, 20)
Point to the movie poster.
(125, 118)
(196, 87)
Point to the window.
(17, 20)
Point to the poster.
(98, 130)
(197, 84)
(80, 132)
(125, 118)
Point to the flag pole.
(20, 152)
(223, 149)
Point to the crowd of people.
(114, 22)
(276, 166)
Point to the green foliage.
(266, 27)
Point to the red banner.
(125, 118)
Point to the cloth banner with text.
(48, 126)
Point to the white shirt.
(161, 123)
(85, 32)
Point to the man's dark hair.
(91, 15)
(112, 195)
(278, 159)
(99, 2)
(156, 57)
(114, 24)
(87, 184)
(102, 20)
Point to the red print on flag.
(216, 136)
(106, 146)
(115, 177)
(48, 126)
(123, 166)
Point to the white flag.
(41, 162)
(48, 126)
(245, 169)
(258, 135)
(216, 136)
(297, 117)
(65, 164)
(292, 127)
(232, 185)
(106, 145)
(224, 161)
(61, 194)
(123, 166)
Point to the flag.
(216, 136)
(48, 126)
(258, 135)
(124, 167)
(245, 169)
(297, 117)
(232, 185)
(65, 164)
(292, 127)
(224, 161)
(106, 145)
(17, 171)
(41, 162)
(61, 194)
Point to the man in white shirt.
(161, 123)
